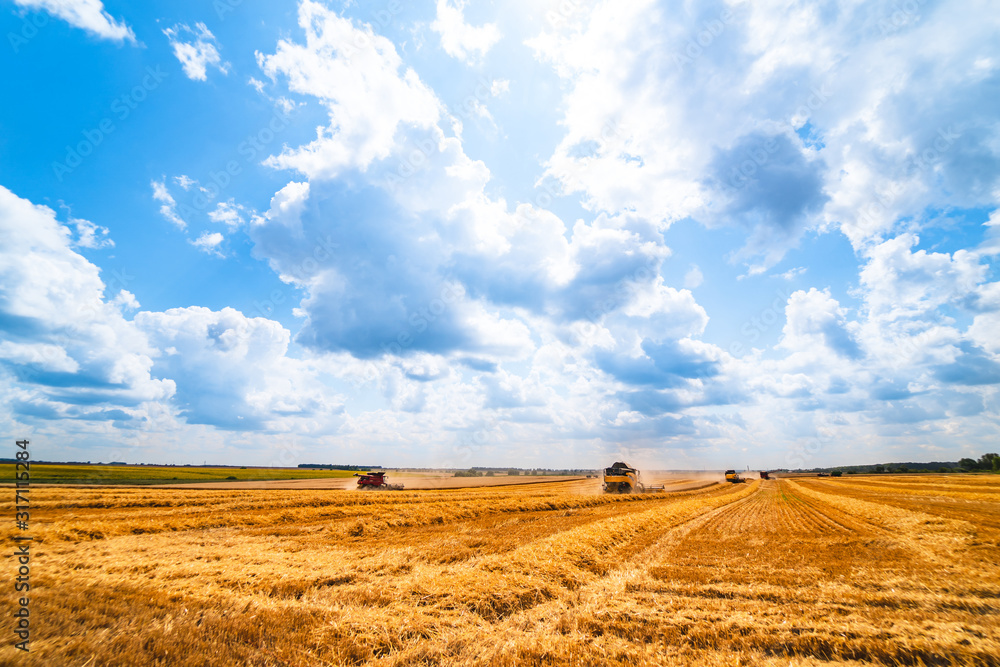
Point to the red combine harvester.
(375, 481)
(765, 475)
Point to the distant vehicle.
(765, 475)
(734, 477)
(822, 474)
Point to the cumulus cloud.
(767, 184)
(357, 75)
(232, 371)
(814, 321)
(900, 283)
(403, 256)
(390, 297)
(88, 15)
(913, 299)
(68, 352)
(71, 350)
(432, 267)
(669, 104)
(196, 48)
(477, 318)
(459, 39)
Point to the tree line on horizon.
(986, 463)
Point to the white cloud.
(361, 86)
(232, 371)
(90, 235)
(459, 39)
(199, 53)
(89, 15)
(169, 205)
(792, 274)
(125, 300)
(900, 283)
(68, 353)
(814, 322)
(440, 271)
(185, 181)
(771, 119)
(73, 352)
(693, 278)
(40, 355)
(209, 243)
(228, 213)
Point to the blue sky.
(544, 234)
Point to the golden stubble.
(884, 570)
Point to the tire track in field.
(773, 532)
(554, 566)
(729, 579)
(682, 549)
(540, 618)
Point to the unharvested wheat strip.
(990, 495)
(788, 517)
(983, 514)
(939, 540)
(986, 483)
(801, 518)
(823, 514)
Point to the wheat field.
(893, 570)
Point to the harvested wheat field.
(893, 570)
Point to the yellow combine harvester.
(623, 478)
(733, 476)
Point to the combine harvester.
(623, 478)
(734, 477)
(376, 481)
